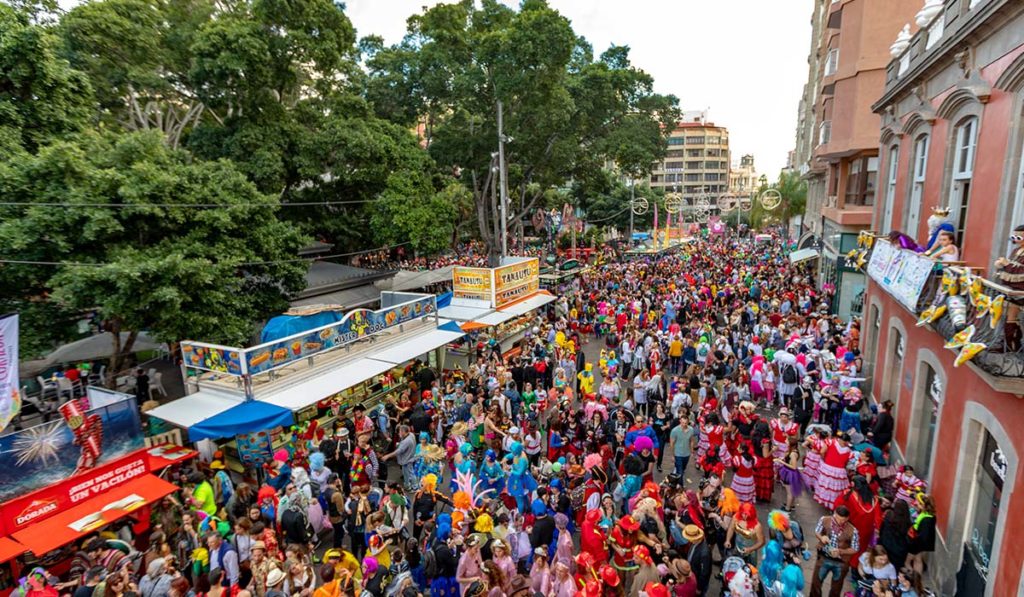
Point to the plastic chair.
(47, 386)
(156, 384)
(64, 385)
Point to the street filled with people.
(686, 422)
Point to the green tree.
(565, 114)
(161, 262)
(41, 96)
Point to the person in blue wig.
(491, 473)
(521, 483)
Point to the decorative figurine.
(1010, 272)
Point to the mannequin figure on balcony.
(938, 223)
(1010, 272)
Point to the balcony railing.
(968, 310)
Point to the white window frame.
(919, 172)
(890, 188)
(965, 144)
(832, 62)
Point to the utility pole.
(632, 198)
(502, 175)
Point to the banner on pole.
(10, 400)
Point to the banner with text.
(472, 283)
(903, 274)
(515, 281)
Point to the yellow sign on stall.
(514, 281)
(472, 283)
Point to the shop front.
(252, 401)
(495, 307)
(984, 506)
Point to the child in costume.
(491, 474)
(521, 483)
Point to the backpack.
(227, 488)
(430, 567)
(789, 374)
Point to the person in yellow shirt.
(202, 494)
(675, 353)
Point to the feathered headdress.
(471, 488)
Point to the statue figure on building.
(1010, 272)
(938, 222)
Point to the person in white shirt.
(874, 564)
(640, 390)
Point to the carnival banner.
(10, 399)
(516, 280)
(900, 272)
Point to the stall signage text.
(472, 283)
(512, 282)
(44, 503)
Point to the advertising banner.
(512, 282)
(212, 358)
(472, 283)
(83, 440)
(356, 324)
(20, 513)
(9, 400)
(903, 274)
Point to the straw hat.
(433, 453)
(275, 577)
(693, 533)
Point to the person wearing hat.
(684, 582)
(470, 569)
(261, 566)
(783, 428)
(540, 572)
(803, 403)
(223, 487)
(275, 583)
(698, 554)
(646, 572)
(622, 540)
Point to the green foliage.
(566, 114)
(41, 96)
(176, 271)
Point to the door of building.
(973, 575)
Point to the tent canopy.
(99, 346)
(314, 389)
(252, 415)
(194, 408)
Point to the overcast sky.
(743, 60)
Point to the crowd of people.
(653, 434)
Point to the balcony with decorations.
(954, 300)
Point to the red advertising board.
(44, 503)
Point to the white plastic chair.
(156, 384)
(64, 385)
(151, 373)
(47, 386)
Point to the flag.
(10, 399)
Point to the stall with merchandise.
(495, 306)
(286, 392)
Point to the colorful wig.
(729, 504)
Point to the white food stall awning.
(418, 346)
(496, 318)
(803, 255)
(529, 304)
(317, 388)
(462, 313)
(194, 408)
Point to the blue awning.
(246, 417)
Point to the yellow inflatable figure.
(586, 378)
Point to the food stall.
(252, 401)
(79, 474)
(494, 303)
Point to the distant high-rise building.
(697, 161)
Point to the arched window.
(919, 170)
(965, 141)
(890, 187)
(925, 421)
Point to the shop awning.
(317, 388)
(462, 312)
(496, 318)
(194, 408)
(530, 303)
(246, 417)
(57, 531)
(420, 344)
(10, 549)
(803, 255)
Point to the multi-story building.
(743, 177)
(851, 55)
(697, 160)
(952, 135)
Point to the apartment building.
(847, 72)
(696, 163)
(743, 177)
(952, 135)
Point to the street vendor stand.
(495, 303)
(252, 401)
